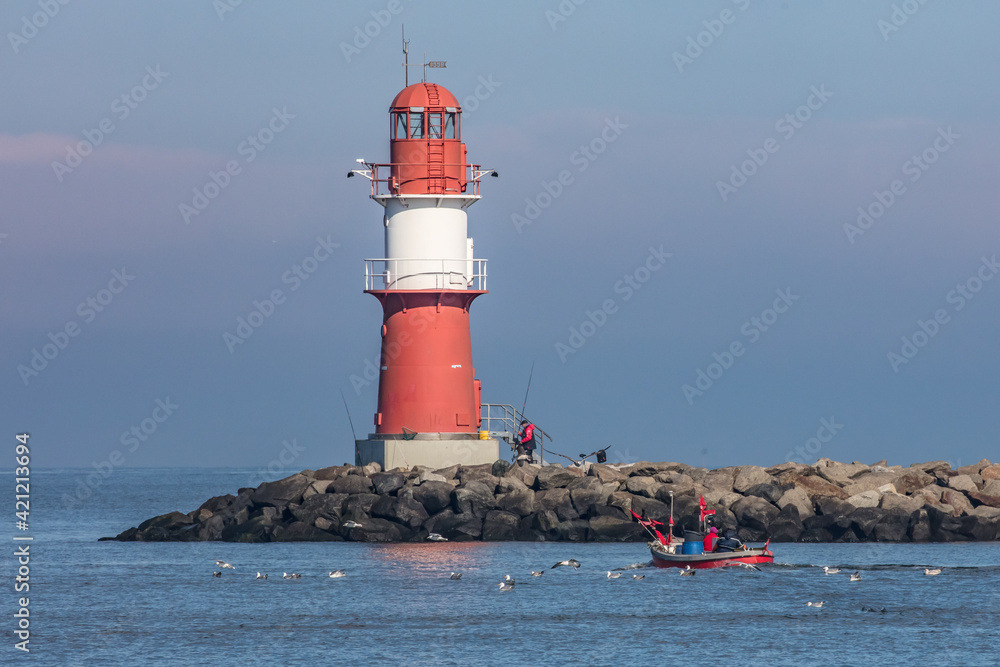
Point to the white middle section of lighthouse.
(426, 242)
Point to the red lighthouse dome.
(425, 147)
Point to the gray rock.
(331, 473)
(351, 484)
(957, 500)
(985, 500)
(813, 486)
(991, 487)
(257, 529)
(748, 477)
(526, 474)
(648, 469)
(920, 527)
(990, 472)
(217, 503)
(500, 468)
(402, 511)
(500, 526)
(897, 501)
(509, 484)
(521, 503)
(326, 505)
(797, 497)
(550, 499)
(456, 527)
(787, 526)
(612, 529)
(720, 480)
(434, 496)
(281, 492)
(769, 492)
(642, 486)
(301, 532)
(755, 513)
(574, 530)
(428, 476)
(621, 499)
(359, 505)
(584, 498)
(377, 530)
(387, 483)
(606, 473)
(474, 498)
(451, 472)
(831, 506)
(551, 477)
(911, 481)
(869, 482)
(962, 483)
(893, 526)
(865, 499)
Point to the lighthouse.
(429, 399)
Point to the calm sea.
(110, 603)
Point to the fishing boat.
(671, 556)
(689, 552)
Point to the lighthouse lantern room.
(428, 396)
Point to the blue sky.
(838, 102)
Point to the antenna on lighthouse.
(425, 64)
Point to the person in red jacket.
(526, 440)
(709, 543)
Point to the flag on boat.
(701, 507)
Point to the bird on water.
(291, 575)
(818, 605)
(336, 574)
(856, 576)
(216, 574)
(436, 537)
(932, 571)
(456, 575)
(261, 576)
(614, 575)
(537, 573)
(224, 564)
(688, 572)
(831, 570)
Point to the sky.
(724, 233)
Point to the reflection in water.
(430, 557)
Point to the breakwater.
(791, 502)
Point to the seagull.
(818, 605)
(224, 564)
(216, 574)
(614, 575)
(572, 562)
(351, 524)
(436, 537)
(261, 576)
(507, 579)
(688, 572)
(928, 571)
(456, 575)
(749, 566)
(336, 574)
(637, 577)
(506, 587)
(292, 575)
(538, 573)
(856, 576)
(831, 570)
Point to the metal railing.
(504, 421)
(398, 272)
(381, 176)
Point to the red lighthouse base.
(426, 379)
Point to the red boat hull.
(706, 561)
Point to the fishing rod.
(528, 388)
(357, 452)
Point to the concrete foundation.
(431, 450)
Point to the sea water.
(97, 603)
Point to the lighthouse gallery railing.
(456, 274)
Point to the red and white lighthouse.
(428, 396)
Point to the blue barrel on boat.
(693, 543)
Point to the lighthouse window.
(449, 126)
(434, 125)
(399, 125)
(416, 125)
